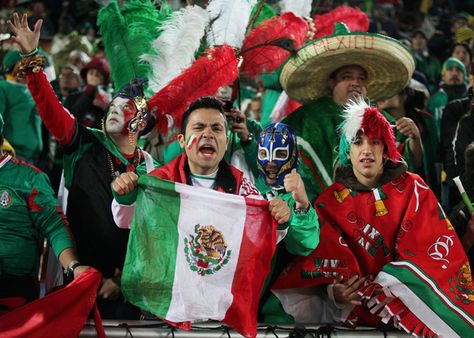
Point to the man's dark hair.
(202, 102)
(419, 32)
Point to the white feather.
(176, 45)
(301, 8)
(353, 114)
(229, 21)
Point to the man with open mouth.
(204, 140)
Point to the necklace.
(115, 172)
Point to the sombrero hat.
(388, 63)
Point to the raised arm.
(56, 118)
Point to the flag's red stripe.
(253, 266)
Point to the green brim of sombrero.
(388, 63)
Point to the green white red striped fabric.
(196, 254)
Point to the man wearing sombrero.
(323, 75)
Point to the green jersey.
(28, 212)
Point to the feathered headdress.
(127, 32)
(353, 18)
(266, 12)
(301, 8)
(268, 45)
(229, 20)
(174, 50)
(358, 116)
(218, 67)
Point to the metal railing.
(153, 328)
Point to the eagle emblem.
(463, 280)
(206, 250)
(5, 199)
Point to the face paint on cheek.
(191, 141)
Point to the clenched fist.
(280, 210)
(125, 183)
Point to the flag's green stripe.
(153, 238)
(431, 299)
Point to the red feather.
(354, 18)
(268, 45)
(375, 125)
(218, 67)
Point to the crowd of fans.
(433, 111)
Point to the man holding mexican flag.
(198, 254)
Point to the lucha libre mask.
(277, 152)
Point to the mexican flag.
(196, 254)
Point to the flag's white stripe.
(436, 290)
(196, 297)
(416, 305)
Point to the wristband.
(70, 269)
(302, 211)
(33, 52)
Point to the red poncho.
(418, 275)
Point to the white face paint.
(118, 116)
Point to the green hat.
(454, 63)
(10, 59)
(13, 56)
(388, 63)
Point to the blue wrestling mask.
(277, 153)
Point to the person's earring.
(131, 138)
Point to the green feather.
(127, 33)
(267, 12)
